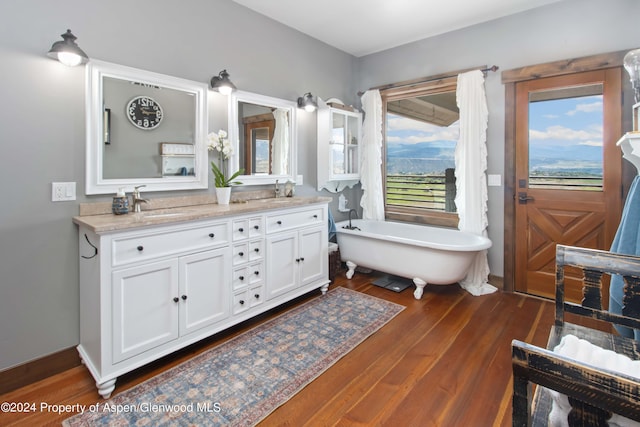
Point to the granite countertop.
(107, 222)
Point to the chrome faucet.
(136, 199)
(351, 227)
(277, 190)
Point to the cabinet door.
(145, 314)
(204, 289)
(313, 265)
(282, 267)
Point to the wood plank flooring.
(444, 361)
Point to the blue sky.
(569, 122)
(401, 130)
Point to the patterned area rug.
(243, 380)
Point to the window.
(421, 132)
(565, 138)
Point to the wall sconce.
(306, 101)
(222, 84)
(631, 62)
(67, 51)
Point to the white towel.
(585, 352)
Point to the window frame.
(429, 86)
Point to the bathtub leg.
(420, 284)
(352, 268)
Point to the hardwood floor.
(444, 361)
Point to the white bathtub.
(425, 254)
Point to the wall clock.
(144, 112)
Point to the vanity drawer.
(141, 247)
(247, 228)
(288, 220)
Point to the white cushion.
(585, 352)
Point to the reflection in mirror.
(264, 130)
(144, 128)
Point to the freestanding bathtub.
(426, 254)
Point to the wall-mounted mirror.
(264, 131)
(144, 128)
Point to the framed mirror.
(264, 132)
(144, 128)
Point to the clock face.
(144, 112)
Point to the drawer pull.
(315, 216)
(241, 302)
(257, 249)
(279, 222)
(241, 278)
(301, 259)
(140, 248)
(257, 273)
(184, 297)
(257, 296)
(211, 235)
(241, 253)
(297, 259)
(176, 299)
(241, 230)
(257, 227)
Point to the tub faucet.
(351, 227)
(136, 199)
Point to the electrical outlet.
(63, 191)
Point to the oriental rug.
(241, 381)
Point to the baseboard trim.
(36, 370)
(496, 281)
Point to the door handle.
(524, 198)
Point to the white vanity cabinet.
(297, 248)
(148, 291)
(339, 147)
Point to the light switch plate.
(63, 191)
(494, 180)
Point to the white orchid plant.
(220, 143)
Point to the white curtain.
(280, 143)
(372, 201)
(471, 180)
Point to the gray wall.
(568, 29)
(42, 119)
(42, 127)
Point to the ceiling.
(362, 27)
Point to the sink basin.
(274, 200)
(162, 215)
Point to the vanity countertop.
(105, 223)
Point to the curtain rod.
(427, 80)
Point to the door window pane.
(565, 138)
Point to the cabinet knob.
(301, 259)
(211, 235)
(241, 302)
(241, 253)
(140, 248)
(184, 297)
(241, 230)
(241, 278)
(297, 259)
(257, 249)
(257, 273)
(257, 227)
(257, 296)
(315, 216)
(176, 299)
(279, 222)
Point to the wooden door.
(568, 176)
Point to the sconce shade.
(306, 101)
(631, 63)
(67, 51)
(222, 84)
